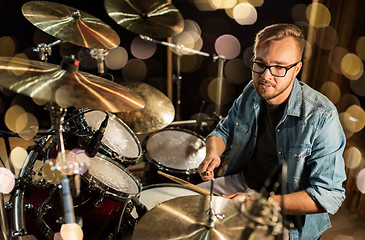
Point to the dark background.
(212, 23)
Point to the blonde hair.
(278, 32)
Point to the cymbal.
(185, 218)
(47, 82)
(70, 25)
(157, 113)
(155, 19)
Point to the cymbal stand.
(25, 175)
(58, 119)
(178, 77)
(3, 220)
(45, 50)
(99, 55)
(220, 77)
(211, 215)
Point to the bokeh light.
(117, 58)
(318, 15)
(28, 126)
(190, 63)
(335, 57)
(192, 26)
(44, 96)
(222, 4)
(77, 161)
(18, 156)
(12, 115)
(142, 49)
(298, 13)
(64, 96)
(245, 14)
(326, 37)
(352, 156)
(134, 70)
(228, 46)
(255, 3)
(354, 120)
(352, 67)
(331, 90)
(50, 173)
(346, 101)
(7, 46)
(186, 40)
(204, 5)
(20, 69)
(360, 47)
(7, 180)
(360, 181)
(236, 71)
(307, 51)
(226, 94)
(358, 86)
(71, 231)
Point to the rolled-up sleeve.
(327, 164)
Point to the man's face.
(285, 52)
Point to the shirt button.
(280, 153)
(278, 130)
(237, 123)
(295, 155)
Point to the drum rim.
(95, 183)
(159, 165)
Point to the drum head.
(176, 149)
(113, 179)
(118, 137)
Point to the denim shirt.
(309, 138)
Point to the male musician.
(278, 120)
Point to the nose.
(267, 74)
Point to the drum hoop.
(95, 183)
(161, 166)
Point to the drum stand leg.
(3, 220)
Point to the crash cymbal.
(47, 82)
(157, 113)
(70, 25)
(185, 218)
(152, 18)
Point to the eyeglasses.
(275, 70)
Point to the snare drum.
(119, 142)
(174, 151)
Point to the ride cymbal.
(152, 18)
(47, 82)
(70, 25)
(157, 113)
(185, 218)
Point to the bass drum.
(155, 194)
(174, 151)
(104, 195)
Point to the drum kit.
(100, 194)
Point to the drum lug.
(97, 203)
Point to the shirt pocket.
(296, 164)
(241, 135)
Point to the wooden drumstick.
(185, 183)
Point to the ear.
(297, 68)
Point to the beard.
(273, 92)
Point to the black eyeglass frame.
(269, 67)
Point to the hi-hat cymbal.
(157, 113)
(185, 218)
(152, 18)
(47, 82)
(70, 25)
